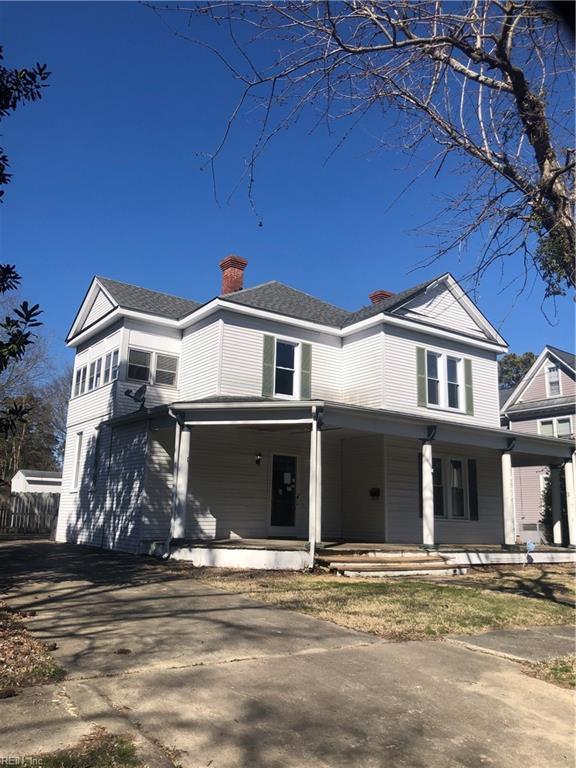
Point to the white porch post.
(556, 493)
(508, 499)
(570, 501)
(318, 536)
(180, 488)
(427, 496)
(312, 490)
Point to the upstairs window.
(139, 365)
(111, 367)
(553, 381)
(453, 381)
(563, 428)
(80, 381)
(443, 381)
(547, 428)
(152, 367)
(285, 369)
(560, 427)
(166, 367)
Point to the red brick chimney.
(380, 295)
(232, 267)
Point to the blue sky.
(108, 180)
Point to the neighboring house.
(544, 403)
(268, 414)
(36, 481)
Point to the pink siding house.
(542, 404)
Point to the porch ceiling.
(526, 450)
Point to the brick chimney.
(232, 267)
(380, 295)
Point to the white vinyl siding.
(401, 377)
(365, 372)
(242, 349)
(100, 307)
(200, 361)
(439, 307)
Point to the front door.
(283, 497)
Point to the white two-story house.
(270, 418)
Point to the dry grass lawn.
(406, 609)
(98, 750)
(560, 671)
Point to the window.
(458, 508)
(80, 381)
(77, 461)
(553, 381)
(110, 367)
(452, 367)
(98, 372)
(438, 487)
(139, 365)
(433, 378)
(285, 369)
(560, 427)
(166, 367)
(563, 428)
(91, 375)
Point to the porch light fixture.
(258, 459)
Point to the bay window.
(139, 365)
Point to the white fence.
(29, 513)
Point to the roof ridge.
(251, 288)
(291, 288)
(150, 290)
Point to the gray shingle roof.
(280, 298)
(547, 403)
(388, 304)
(504, 394)
(566, 357)
(144, 300)
(271, 296)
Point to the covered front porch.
(269, 484)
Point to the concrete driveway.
(229, 682)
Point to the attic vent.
(380, 295)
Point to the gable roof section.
(273, 297)
(144, 300)
(565, 358)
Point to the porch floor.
(346, 546)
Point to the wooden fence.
(32, 513)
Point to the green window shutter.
(306, 371)
(468, 387)
(268, 367)
(421, 375)
(473, 489)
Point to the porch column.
(508, 499)
(556, 493)
(313, 490)
(318, 536)
(427, 496)
(570, 501)
(180, 487)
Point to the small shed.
(36, 481)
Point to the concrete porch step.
(366, 568)
(378, 557)
(385, 574)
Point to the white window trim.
(100, 360)
(443, 356)
(152, 367)
(297, 367)
(547, 368)
(555, 420)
